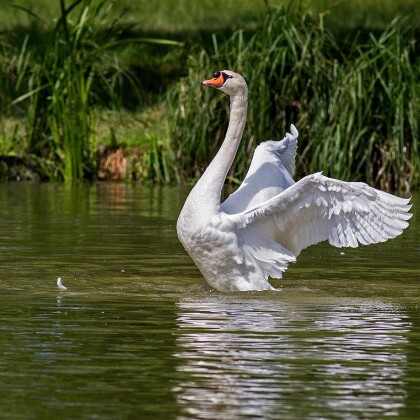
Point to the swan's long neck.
(209, 187)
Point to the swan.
(265, 224)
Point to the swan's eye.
(226, 76)
(216, 74)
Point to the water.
(139, 335)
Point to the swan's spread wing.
(318, 208)
(270, 173)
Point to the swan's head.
(229, 82)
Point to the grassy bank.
(355, 103)
(350, 85)
(184, 16)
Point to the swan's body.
(264, 225)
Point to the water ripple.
(287, 360)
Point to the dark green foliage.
(58, 75)
(356, 105)
(66, 77)
(354, 100)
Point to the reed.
(355, 103)
(67, 77)
(57, 77)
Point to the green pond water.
(138, 334)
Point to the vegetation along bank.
(86, 93)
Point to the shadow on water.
(138, 333)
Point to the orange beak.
(216, 82)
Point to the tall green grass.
(355, 102)
(56, 77)
(66, 77)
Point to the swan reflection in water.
(265, 359)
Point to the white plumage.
(60, 285)
(270, 219)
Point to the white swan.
(264, 225)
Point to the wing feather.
(319, 208)
(270, 173)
